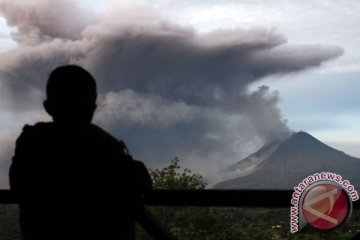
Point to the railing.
(219, 198)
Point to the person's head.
(71, 94)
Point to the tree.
(170, 177)
(200, 223)
(213, 223)
(182, 222)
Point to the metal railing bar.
(235, 198)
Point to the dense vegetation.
(211, 223)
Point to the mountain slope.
(285, 164)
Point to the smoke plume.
(167, 90)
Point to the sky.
(204, 81)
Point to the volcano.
(282, 165)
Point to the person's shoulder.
(31, 134)
(107, 139)
(38, 126)
(36, 129)
(101, 132)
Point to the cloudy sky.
(205, 81)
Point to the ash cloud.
(164, 88)
(132, 109)
(43, 20)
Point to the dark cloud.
(166, 89)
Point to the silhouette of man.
(72, 179)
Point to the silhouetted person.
(72, 179)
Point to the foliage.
(170, 178)
(182, 222)
(9, 222)
(197, 223)
(210, 223)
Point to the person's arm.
(142, 177)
